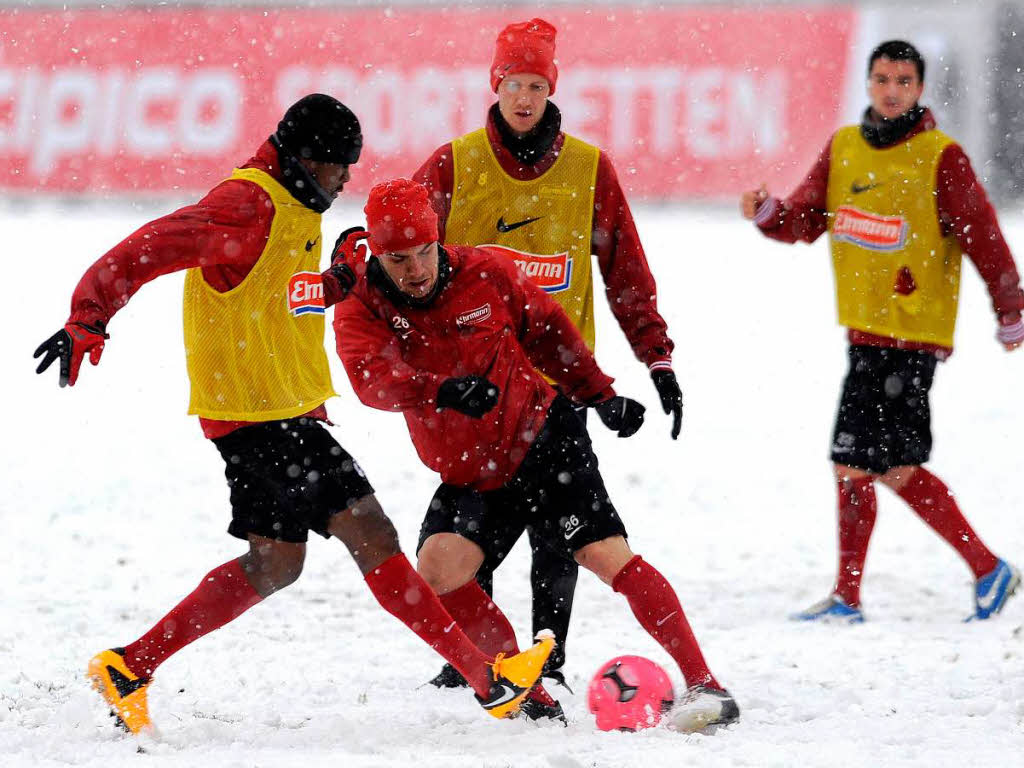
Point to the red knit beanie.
(525, 47)
(399, 215)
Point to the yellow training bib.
(543, 225)
(256, 352)
(896, 275)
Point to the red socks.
(405, 595)
(656, 607)
(858, 509)
(222, 596)
(225, 594)
(932, 501)
(481, 620)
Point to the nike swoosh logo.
(311, 243)
(662, 621)
(507, 695)
(573, 533)
(856, 188)
(985, 602)
(503, 227)
(449, 628)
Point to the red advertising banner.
(691, 102)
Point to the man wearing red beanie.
(251, 248)
(456, 339)
(512, 193)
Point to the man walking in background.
(548, 202)
(254, 326)
(901, 203)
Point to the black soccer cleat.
(539, 705)
(448, 677)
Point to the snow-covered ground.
(114, 507)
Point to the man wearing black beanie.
(316, 133)
(254, 330)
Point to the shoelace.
(496, 664)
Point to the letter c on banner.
(210, 132)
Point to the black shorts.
(884, 420)
(557, 491)
(288, 477)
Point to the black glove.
(471, 395)
(671, 397)
(622, 415)
(70, 344)
(348, 250)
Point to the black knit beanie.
(319, 127)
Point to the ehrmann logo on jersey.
(552, 273)
(478, 315)
(306, 294)
(869, 230)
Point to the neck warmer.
(297, 179)
(880, 132)
(529, 148)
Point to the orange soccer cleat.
(122, 689)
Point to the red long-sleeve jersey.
(224, 234)
(964, 212)
(629, 284)
(490, 320)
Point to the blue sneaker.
(993, 589)
(832, 610)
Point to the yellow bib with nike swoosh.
(256, 352)
(895, 273)
(544, 225)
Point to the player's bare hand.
(751, 201)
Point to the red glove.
(1011, 330)
(349, 250)
(70, 344)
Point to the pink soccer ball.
(629, 693)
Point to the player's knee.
(605, 558)
(897, 477)
(448, 561)
(271, 566)
(845, 474)
(287, 573)
(367, 532)
(432, 573)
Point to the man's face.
(331, 177)
(413, 270)
(893, 87)
(522, 99)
